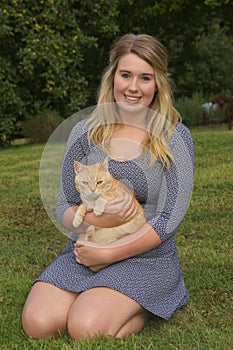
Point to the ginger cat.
(96, 187)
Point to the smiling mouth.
(132, 99)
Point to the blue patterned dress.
(154, 279)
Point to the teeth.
(132, 98)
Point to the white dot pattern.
(154, 279)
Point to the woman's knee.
(45, 311)
(36, 323)
(41, 320)
(100, 311)
(94, 324)
(89, 324)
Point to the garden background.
(52, 54)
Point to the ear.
(78, 167)
(104, 164)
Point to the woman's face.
(134, 81)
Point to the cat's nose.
(92, 189)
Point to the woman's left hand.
(91, 254)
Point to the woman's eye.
(99, 182)
(125, 75)
(145, 78)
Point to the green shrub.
(193, 112)
(11, 106)
(8, 128)
(39, 128)
(51, 51)
(190, 108)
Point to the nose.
(133, 85)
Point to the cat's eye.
(99, 182)
(84, 182)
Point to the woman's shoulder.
(182, 129)
(79, 129)
(80, 126)
(181, 133)
(76, 133)
(182, 140)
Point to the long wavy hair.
(163, 115)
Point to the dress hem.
(154, 313)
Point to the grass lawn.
(29, 242)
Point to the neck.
(132, 115)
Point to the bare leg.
(134, 325)
(45, 311)
(103, 311)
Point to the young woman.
(138, 128)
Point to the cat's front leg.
(100, 205)
(79, 215)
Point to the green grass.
(29, 242)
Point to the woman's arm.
(117, 212)
(90, 254)
(137, 243)
(176, 185)
(174, 197)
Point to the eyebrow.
(127, 71)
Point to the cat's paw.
(90, 232)
(98, 212)
(76, 222)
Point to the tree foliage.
(53, 52)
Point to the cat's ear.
(78, 167)
(104, 164)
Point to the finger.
(127, 200)
(114, 205)
(128, 204)
(130, 208)
(116, 200)
(78, 261)
(130, 213)
(78, 244)
(76, 252)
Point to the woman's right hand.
(117, 212)
(121, 209)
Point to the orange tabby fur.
(97, 186)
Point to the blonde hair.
(164, 117)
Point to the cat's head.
(92, 180)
